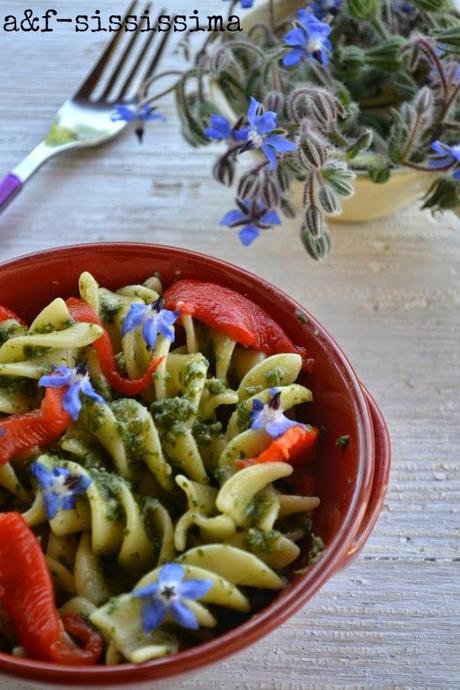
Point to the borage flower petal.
(60, 487)
(184, 616)
(309, 40)
(153, 319)
(248, 234)
(170, 595)
(77, 382)
(325, 8)
(270, 417)
(219, 128)
(447, 157)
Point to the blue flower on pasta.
(260, 133)
(253, 217)
(307, 40)
(77, 382)
(154, 320)
(270, 417)
(169, 595)
(60, 487)
(446, 156)
(136, 114)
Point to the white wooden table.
(389, 293)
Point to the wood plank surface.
(390, 295)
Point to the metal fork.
(85, 120)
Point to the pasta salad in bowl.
(182, 463)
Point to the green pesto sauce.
(108, 486)
(274, 377)
(192, 371)
(51, 328)
(243, 414)
(168, 413)
(34, 351)
(301, 317)
(205, 432)
(108, 309)
(216, 386)
(10, 329)
(258, 541)
(316, 549)
(253, 390)
(18, 385)
(257, 508)
(343, 441)
(121, 363)
(95, 416)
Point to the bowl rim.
(303, 587)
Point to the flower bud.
(317, 247)
(328, 200)
(249, 185)
(314, 221)
(423, 100)
(224, 170)
(287, 207)
(270, 191)
(364, 9)
(360, 144)
(275, 101)
(283, 177)
(312, 150)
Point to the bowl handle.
(380, 480)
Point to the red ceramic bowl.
(351, 481)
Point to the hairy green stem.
(271, 9)
(431, 52)
(338, 137)
(410, 142)
(142, 93)
(380, 28)
(449, 103)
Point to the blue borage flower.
(219, 128)
(325, 8)
(138, 115)
(76, 381)
(270, 417)
(169, 595)
(60, 487)
(404, 7)
(259, 133)
(253, 216)
(154, 320)
(308, 40)
(447, 156)
(246, 4)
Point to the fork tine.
(157, 56)
(93, 77)
(123, 58)
(153, 63)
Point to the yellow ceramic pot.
(370, 200)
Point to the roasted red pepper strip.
(26, 592)
(294, 446)
(37, 428)
(6, 314)
(231, 313)
(82, 312)
(92, 641)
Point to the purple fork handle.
(9, 187)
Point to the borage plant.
(339, 88)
